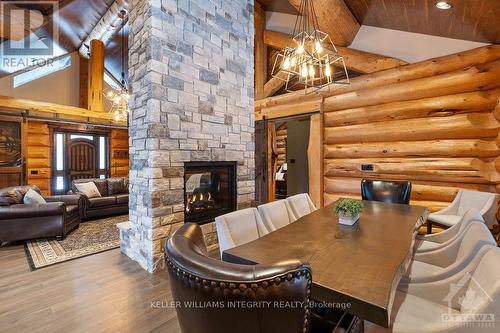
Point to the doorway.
(288, 157)
(76, 156)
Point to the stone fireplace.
(191, 81)
(209, 190)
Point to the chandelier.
(117, 99)
(310, 60)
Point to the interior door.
(82, 159)
(11, 153)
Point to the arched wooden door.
(82, 161)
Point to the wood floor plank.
(106, 292)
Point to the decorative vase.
(348, 219)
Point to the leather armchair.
(196, 278)
(56, 218)
(386, 191)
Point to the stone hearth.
(191, 78)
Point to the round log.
(470, 126)
(440, 106)
(429, 148)
(480, 77)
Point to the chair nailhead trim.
(254, 286)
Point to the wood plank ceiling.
(76, 19)
(474, 20)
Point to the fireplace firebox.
(209, 190)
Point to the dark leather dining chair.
(386, 191)
(224, 296)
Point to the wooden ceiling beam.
(358, 61)
(334, 18)
(57, 112)
(109, 24)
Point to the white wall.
(407, 46)
(61, 87)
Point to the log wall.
(435, 123)
(118, 153)
(440, 131)
(281, 135)
(38, 157)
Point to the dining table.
(357, 267)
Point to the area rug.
(90, 238)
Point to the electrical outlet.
(366, 167)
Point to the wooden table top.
(359, 265)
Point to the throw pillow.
(33, 198)
(117, 186)
(89, 189)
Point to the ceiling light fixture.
(443, 5)
(310, 59)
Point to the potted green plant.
(348, 210)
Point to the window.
(41, 71)
(111, 81)
(59, 151)
(78, 136)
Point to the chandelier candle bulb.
(311, 71)
(286, 63)
(328, 71)
(300, 49)
(318, 46)
(304, 71)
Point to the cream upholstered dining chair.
(276, 214)
(484, 202)
(446, 261)
(301, 204)
(431, 242)
(238, 228)
(452, 305)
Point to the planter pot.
(347, 219)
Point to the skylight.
(39, 72)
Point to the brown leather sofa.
(194, 277)
(56, 218)
(113, 200)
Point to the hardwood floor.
(106, 292)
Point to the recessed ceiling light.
(443, 5)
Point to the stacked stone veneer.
(191, 80)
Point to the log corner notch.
(358, 61)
